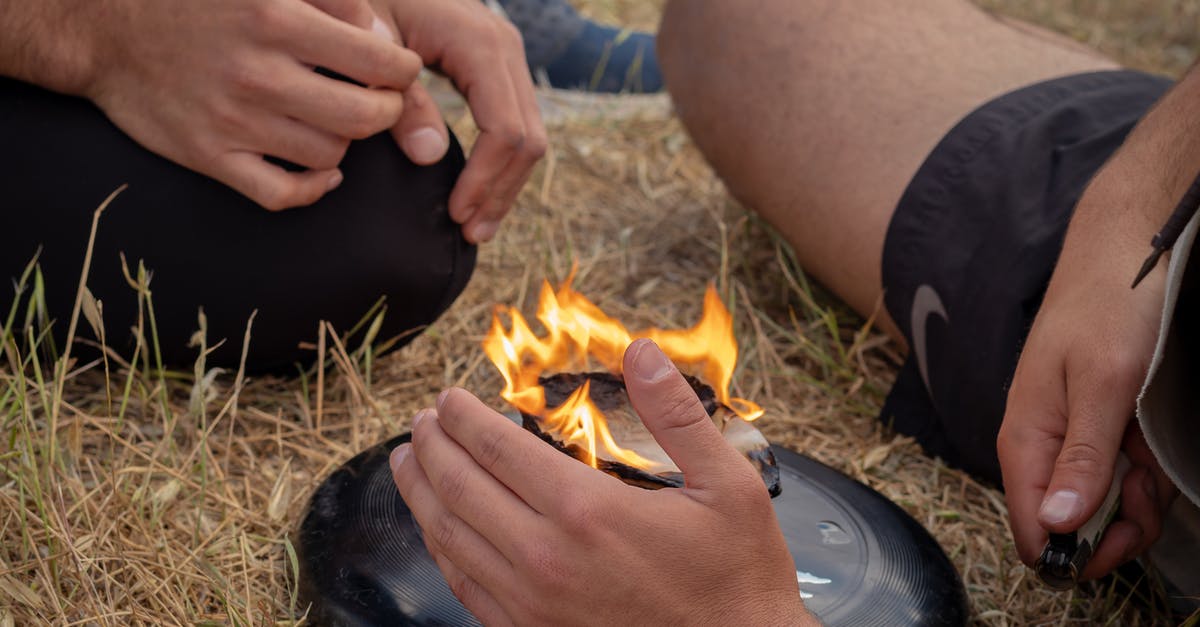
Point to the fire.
(578, 333)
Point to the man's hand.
(527, 535)
(1071, 404)
(483, 55)
(215, 86)
(1073, 396)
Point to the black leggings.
(384, 233)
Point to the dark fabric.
(977, 234)
(384, 233)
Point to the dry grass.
(134, 496)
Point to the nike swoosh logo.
(925, 302)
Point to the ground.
(131, 496)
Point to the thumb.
(673, 414)
(1083, 471)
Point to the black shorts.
(974, 240)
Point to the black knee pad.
(384, 233)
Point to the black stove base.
(860, 559)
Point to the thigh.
(817, 114)
(385, 233)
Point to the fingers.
(672, 412)
(473, 596)
(444, 532)
(1137, 526)
(335, 106)
(1146, 495)
(484, 57)
(503, 192)
(297, 143)
(529, 467)
(493, 103)
(421, 133)
(467, 490)
(352, 50)
(269, 185)
(1026, 462)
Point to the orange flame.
(578, 331)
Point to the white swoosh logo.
(926, 301)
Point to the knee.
(682, 35)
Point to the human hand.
(527, 535)
(215, 86)
(483, 55)
(1074, 392)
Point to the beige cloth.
(1169, 413)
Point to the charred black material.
(607, 392)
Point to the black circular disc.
(861, 560)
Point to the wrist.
(50, 43)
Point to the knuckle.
(329, 155)
(267, 18)
(445, 531)
(492, 448)
(451, 485)
(679, 405)
(1121, 369)
(336, 153)
(378, 55)
(249, 79)
(1079, 458)
(578, 514)
(510, 34)
(273, 202)
(272, 197)
(535, 145)
(512, 137)
(1004, 440)
(462, 587)
(227, 118)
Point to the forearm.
(46, 42)
(1132, 196)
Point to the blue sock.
(576, 53)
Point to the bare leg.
(817, 113)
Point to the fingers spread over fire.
(468, 491)
(526, 465)
(673, 414)
(474, 596)
(445, 533)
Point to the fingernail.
(425, 146)
(381, 29)
(485, 231)
(421, 415)
(1060, 507)
(335, 179)
(441, 399)
(399, 454)
(650, 364)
